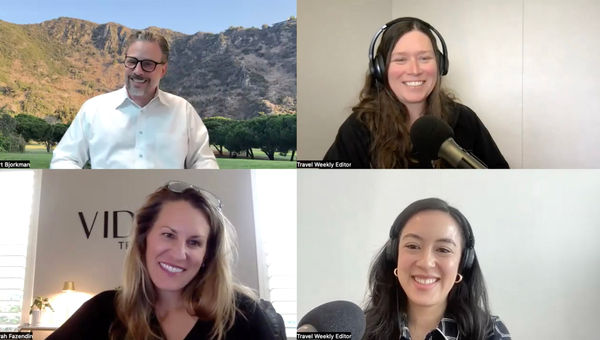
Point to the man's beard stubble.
(138, 92)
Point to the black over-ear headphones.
(468, 253)
(377, 62)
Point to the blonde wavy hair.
(211, 294)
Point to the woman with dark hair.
(403, 84)
(426, 283)
(177, 281)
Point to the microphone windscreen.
(337, 316)
(427, 135)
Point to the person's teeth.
(425, 281)
(171, 268)
(138, 80)
(414, 83)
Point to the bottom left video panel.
(172, 254)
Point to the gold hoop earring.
(396, 272)
(459, 278)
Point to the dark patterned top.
(447, 329)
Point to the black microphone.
(433, 138)
(335, 316)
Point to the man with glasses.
(137, 126)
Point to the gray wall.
(526, 67)
(95, 264)
(536, 237)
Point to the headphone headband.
(468, 251)
(377, 62)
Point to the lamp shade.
(69, 285)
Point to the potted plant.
(38, 306)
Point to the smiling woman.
(178, 281)
(426, 280)
(404, 83)
(176, 246)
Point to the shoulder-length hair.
(387, 302)
(210, 294)
(385, 116)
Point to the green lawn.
(237, 163)
(260, 161)
(40, 159)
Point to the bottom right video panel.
(469, 254)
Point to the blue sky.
(186, 16)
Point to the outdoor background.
(240, 79)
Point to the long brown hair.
(385, 116)
(467, 301)
(209, 295)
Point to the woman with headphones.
(426, 283)
(405, 83)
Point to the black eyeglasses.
(180, 186)
(147, 64)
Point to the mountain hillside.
(50, 69)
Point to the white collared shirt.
(113, 132)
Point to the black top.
(93, 320)
(353, 141)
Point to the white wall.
(561, 101)
(526, 67)
(95, 264)
(536, 237)
(333, 37)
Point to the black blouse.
(353, 141)
(94, 318)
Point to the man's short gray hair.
(152, 37)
